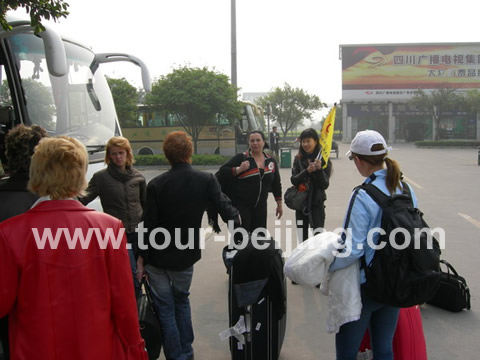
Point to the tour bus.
(56, 83)
(220, 136)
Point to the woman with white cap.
(368, 151)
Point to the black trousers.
(252, 218)
(4, 337)
(315, 220)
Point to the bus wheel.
(145, 151)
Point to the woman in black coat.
(251, 176)
(307, 169)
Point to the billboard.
(396, 71)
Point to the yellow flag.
(326, 137)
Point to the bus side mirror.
(112, 57)
(52, 42)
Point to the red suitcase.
(409, 340)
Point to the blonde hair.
(120, 142)
(58, 168)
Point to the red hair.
(178, 147)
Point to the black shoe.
(294, 283)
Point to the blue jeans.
(170, 295)
(380, 319)
(132, 238)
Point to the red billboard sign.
(396, 71)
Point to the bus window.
(5, 98)
(252, 118)
(244, 122)
(7, 114)
(78, 104)
(31, 62)
(223, 120)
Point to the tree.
(38, 10)
(195, 96)
(125, 97)
(440, 103)
(290, 106)
(41, 107)
(5, 97)
(472, 101)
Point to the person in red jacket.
(64, 269)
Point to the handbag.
(296, 197)
(453, 293)
(149, 323)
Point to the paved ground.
(446, 182)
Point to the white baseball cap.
(363, 142)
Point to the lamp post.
(234, 43)
(268, 112)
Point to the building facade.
(378, 81)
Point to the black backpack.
(408, 274)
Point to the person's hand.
(279, 211)
(311, 167)
(318, 164)
(140, 269)
(243, 166)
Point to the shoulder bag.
(296, 196)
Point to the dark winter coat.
(15, 199)
(317, 181)
(178, 199)
(122, 195)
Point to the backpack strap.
(380, 197)
(406, 191)
(349, 212)
(376, 194)
(382, 200)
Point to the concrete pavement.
(446, 182)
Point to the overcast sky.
(278, 41)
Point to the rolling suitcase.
(408, 341)
(257, 303)
(149, 323)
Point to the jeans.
(170, 296)
(132, 239)
(380, 319)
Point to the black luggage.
(257, 292)
(149, 323)
(453, 293)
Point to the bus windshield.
(254, 116)
(77, 104)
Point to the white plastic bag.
(309, 262)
